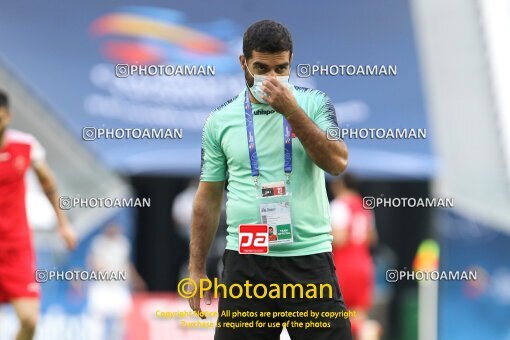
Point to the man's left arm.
(329, 155)
(48, 184)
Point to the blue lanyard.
(252, 149)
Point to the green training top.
(225, 157)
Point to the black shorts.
(313, 269)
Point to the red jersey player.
(18, 152)
(353, 231)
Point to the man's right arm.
(204, 223)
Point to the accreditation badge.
(274, 207)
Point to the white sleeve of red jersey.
(340, 215)
(37, 152)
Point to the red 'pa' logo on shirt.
(253, 239)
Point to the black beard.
(248, 79)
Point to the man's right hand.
(204, 223)
(194, 302)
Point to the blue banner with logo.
(68, 52)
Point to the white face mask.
(257, 81)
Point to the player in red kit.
(19, 152)
(353, 229)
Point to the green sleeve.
(325, 116)
(213, 162)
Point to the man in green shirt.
(269, 143)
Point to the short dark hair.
(4, 99)
(266, 36)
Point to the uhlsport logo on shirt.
(253, 239)
(263, 112)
